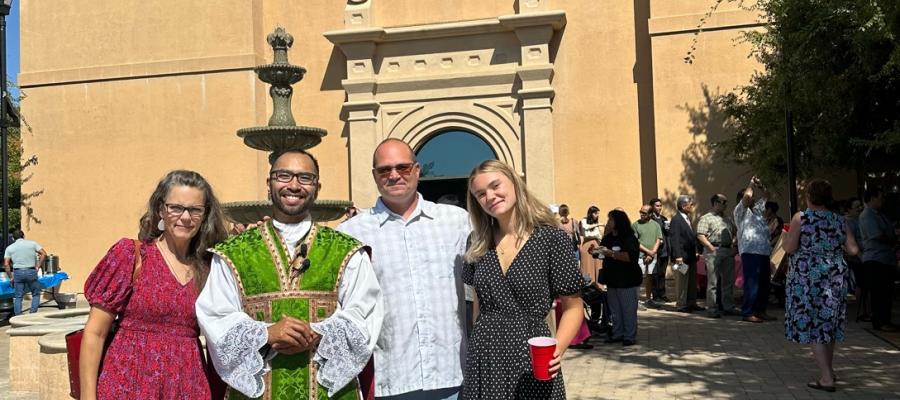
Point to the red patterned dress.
(156, 352)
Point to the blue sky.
(12, 46)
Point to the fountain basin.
(280, 138)
(248, 212)
(280, 73)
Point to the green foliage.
(17, 175)
(14, 172)
(836, 65)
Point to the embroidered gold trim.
(340, 275)
(304, 294)
(273, 251)
(253, 307)
(234, 272)
(317, 299)
(313, 372)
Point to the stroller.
(596, 308)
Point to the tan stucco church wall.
(120, 92)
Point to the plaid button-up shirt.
(419, 264)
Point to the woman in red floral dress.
(156, 353)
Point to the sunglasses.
(403, 170)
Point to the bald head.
(644, 213)
(396, 174)
(394, 148)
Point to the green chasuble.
(260, 263)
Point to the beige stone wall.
(415, 12)
(120, 92)
(687, 119)
(596, 108)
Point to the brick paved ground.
(690, 356)
(681, 356)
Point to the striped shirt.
(419, 265)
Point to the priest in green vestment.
(291, 310)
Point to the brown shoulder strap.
(137, 260)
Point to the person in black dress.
(518, 262)
(622, 276)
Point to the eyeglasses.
(178, 209)
(402, 169)
(303, 178)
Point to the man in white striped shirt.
(418, 249)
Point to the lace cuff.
(241, 364)
(342, 354)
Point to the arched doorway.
(446, 159)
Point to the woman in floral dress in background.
(816, 300)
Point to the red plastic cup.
(542, 349)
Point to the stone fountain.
(282, 132)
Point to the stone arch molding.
(492, 77)
(492, 123)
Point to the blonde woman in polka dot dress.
(518, 262)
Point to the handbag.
(73, 340)
(590, 294)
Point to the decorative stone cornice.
(507, 23)
(555, 18)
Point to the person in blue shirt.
(22, 257)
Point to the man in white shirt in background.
(417, 252)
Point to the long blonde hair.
(528, 212)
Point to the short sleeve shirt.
(22, 253)
(419, 265)
(647, 232)
(717, 229)
(753, 232)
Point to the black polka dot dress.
(512, 310)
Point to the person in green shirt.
(649, 236)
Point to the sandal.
(819, 386)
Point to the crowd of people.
(832, 248)
(411, 299)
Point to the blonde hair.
(528, 212)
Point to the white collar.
(293, 232)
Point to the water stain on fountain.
(282, 132)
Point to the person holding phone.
(621, 249)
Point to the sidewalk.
(681, 356)
(690, 356)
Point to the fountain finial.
(281, 41)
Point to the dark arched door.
(446, 159)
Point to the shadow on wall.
(704, 169)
